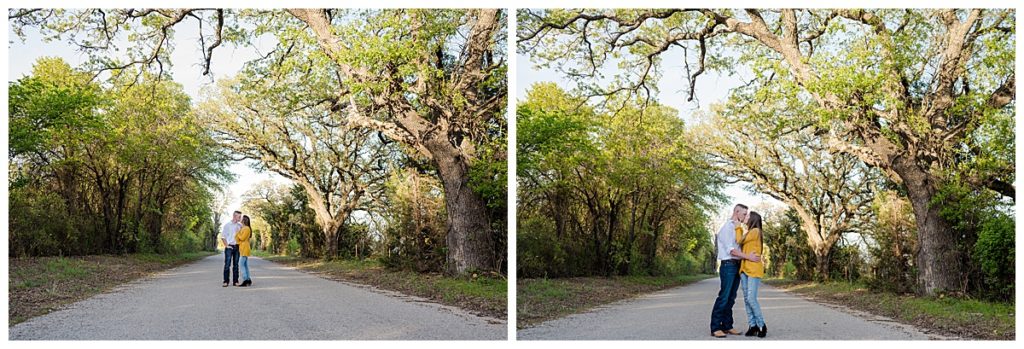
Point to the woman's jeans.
(749, 286)
(245, 267)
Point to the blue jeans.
(231, 262)
(245, 267)
(721, 313)
(750, 286)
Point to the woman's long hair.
(754, 221)
(245, 221)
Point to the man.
(231, 247)
(729, 256)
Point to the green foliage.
(994, 251)
(32, 207)
(847, 263)
(608, 193)
(789, 255)
(540, 253)
(53, 103)
(293, 248)
(292, 224)
(985, 222)
(116, 167)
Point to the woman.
(242, 238)
(751, 273)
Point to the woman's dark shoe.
(763, 331)
(752, 331)
(246, 283)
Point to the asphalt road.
(685, 313)
(189, 303)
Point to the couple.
(235, 237)
(739, 246)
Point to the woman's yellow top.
(751, 242)
(242, 237)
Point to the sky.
(186, 57)
(712, 87)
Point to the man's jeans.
(750, 286)
(721, 313)
(245, 268)
(231, 261)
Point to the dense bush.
(985, 223)
(994, 251)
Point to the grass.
(541, 299)
(959, 317)
(483, 295)
(40, 285)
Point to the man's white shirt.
(727, 240)
(229, 230)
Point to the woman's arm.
(743, 235)
(753, 257)
(243, 235)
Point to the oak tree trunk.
(938, 258)
(469, 240)
(822, 258)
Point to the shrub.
(994, 251)
(294, 247)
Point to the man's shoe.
(225, 285)
(763, 332)
(732, 331)
(718, 334)
(235, 284)
(752, 331)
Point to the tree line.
(107, 166)
(609, 192)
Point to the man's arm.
(727, 238)
(223, 233)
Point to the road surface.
(684, 313)
(188, 303)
